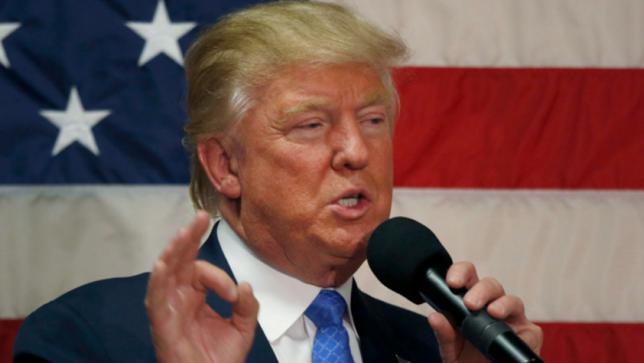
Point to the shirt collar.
(282, 298)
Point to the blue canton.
(93, 92)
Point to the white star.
(75, 124)
(161, 35)
(5, 30)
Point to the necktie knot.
(327, 309)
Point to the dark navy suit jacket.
(105, 321)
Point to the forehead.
(305, 87)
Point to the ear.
(219, 167)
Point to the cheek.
(303, 167)
(382, 160)
(288, 181)
(384, 178)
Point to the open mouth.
(351, 201)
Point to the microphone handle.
(492, 337)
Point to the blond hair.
(244, 49)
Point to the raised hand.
(482, 292)
(184, 328)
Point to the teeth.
(349, 202)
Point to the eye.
(373, 117)
(375, 124)
(310, 125)
(376, 120)
(308, 129)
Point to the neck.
(327, 274)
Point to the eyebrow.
(375, 98)
(314, 105)
(372, 99)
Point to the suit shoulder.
(118, 290)
(87, 322)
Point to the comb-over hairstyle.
(245, 49)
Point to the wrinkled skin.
(316, 135)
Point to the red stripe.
(520, 128)
(563, 342)
(593, 342)
(8, 330)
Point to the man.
(291, 109)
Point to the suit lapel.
(375, 338)
(261, 350)
(390, 334)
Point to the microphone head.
(400, 250)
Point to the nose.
(351, 151)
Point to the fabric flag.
(520, 144)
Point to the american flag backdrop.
(520, 143)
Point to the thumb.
(245, 311)
(449, 342)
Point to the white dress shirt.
(282, 301)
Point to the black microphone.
(408, 258)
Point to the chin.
(351, 246)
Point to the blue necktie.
(331, 342)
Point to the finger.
(195, 233)
(163, 278)
(532, 336)
(164, 321)
(169, 254)
(507, 307)
(511, 309)
(189, 240)
(461, 275)
(482, 293)
(449, 342)
(208, 276)
(245, 311)
(183, 248)
(156, 295)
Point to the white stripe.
(573, 255)
(57, 238)
(513, 33)
(570, 255)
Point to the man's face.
(314, 163)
